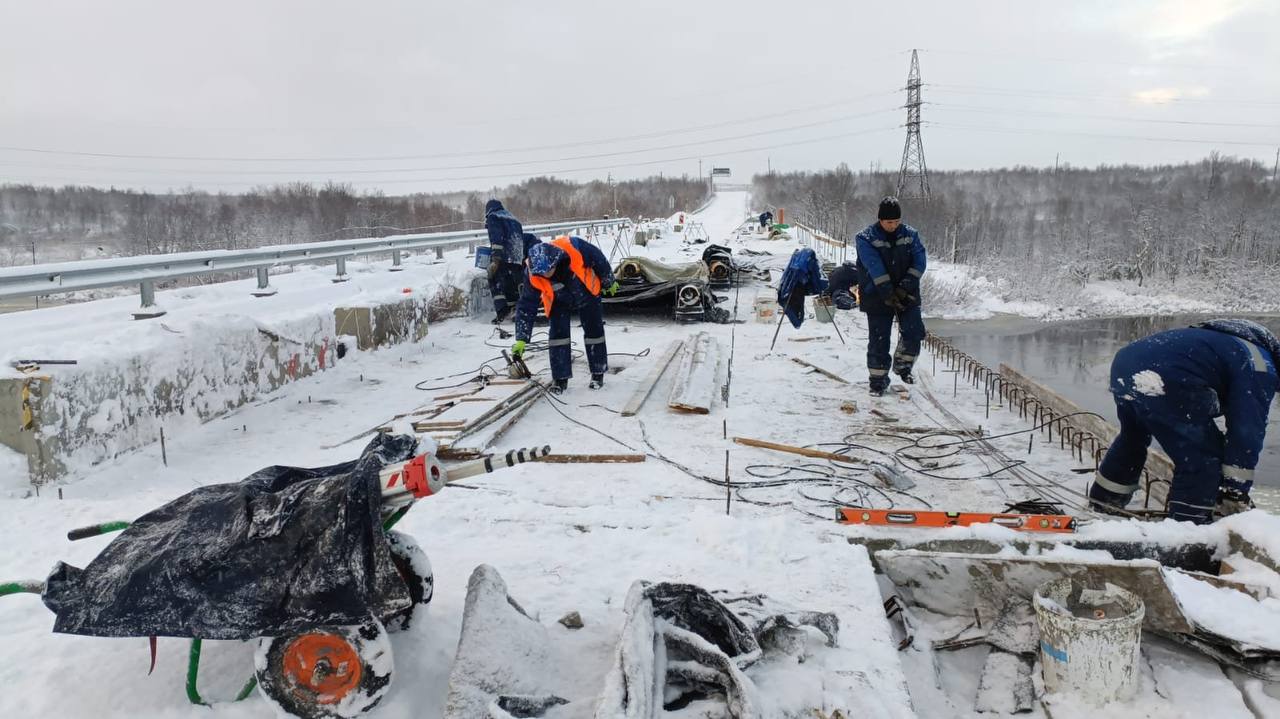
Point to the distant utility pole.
(913, 178)
(1276, 170)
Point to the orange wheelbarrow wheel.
(329, 673)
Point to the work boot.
(597, 381)
(501, 315)
(907, 377)
(559, 386)
(875, 391)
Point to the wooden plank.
(804, 451)
(655, 373)
(525, 394)
(819, 370)
(1158, 463)
(695, 386)
(591, 458)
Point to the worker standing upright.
(891, 261)
(1171, 386)
(506, 253)
(565, 275)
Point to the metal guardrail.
(146, 270)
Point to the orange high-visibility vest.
(577, 265)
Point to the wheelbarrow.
(319, 671)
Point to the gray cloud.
(1011, 82)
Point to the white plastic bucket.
(823, 310)
(1090, 639)
(766, 310)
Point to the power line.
(1034, 131)
(480, 166)
(1034, 113)
(1020, 92)
(444, 155)
(1075, 60)
(561, 171)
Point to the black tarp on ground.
(285, 550)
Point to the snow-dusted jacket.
(802, 277)
(505, 233)
(1213, 371)
(887, 261)
(570, 294)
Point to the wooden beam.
(819, 370)
(803, 451)
(655, 373)
(695, 386)
(591, 458)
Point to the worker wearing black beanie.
(891, 261)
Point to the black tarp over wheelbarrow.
(303, 560)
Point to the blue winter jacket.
(505, 234)
(1235, 377)
(802, 277)
(570, 292)
(886, 262)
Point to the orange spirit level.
(930, 518)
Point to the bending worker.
(1171, 386)
(891, 261)
(842, 286)
(506, 252)
(564, 275)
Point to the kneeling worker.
(842, 286)
(1171, 386)
(566, 274)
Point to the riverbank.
(964, 292)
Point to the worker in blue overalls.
(891, 263)
(1171, 386)
(565, 275)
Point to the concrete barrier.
(75, 416)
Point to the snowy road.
(565, 537)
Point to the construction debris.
(572, 620)
(695, 383)
(820, 371)
(503, 668)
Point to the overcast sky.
(434, 96)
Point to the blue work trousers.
(1181, 420)
(910, 335)
(504, 285)
(591, 316)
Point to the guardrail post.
(149, 307)
(439, 253)
(395, 261)
(342, 270)
(264, 288)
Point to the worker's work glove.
(894, 301)
(612, 289)
(1231, 501)
(517, 349)
(902, 298)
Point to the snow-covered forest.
(1210, 228)
(73, 222)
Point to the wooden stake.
(819, 370)
(804, 451)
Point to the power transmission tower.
(913, 178)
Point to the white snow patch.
(1227, 612)
(1149, 383)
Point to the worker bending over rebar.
(1171, 386)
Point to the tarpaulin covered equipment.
(285, 550)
